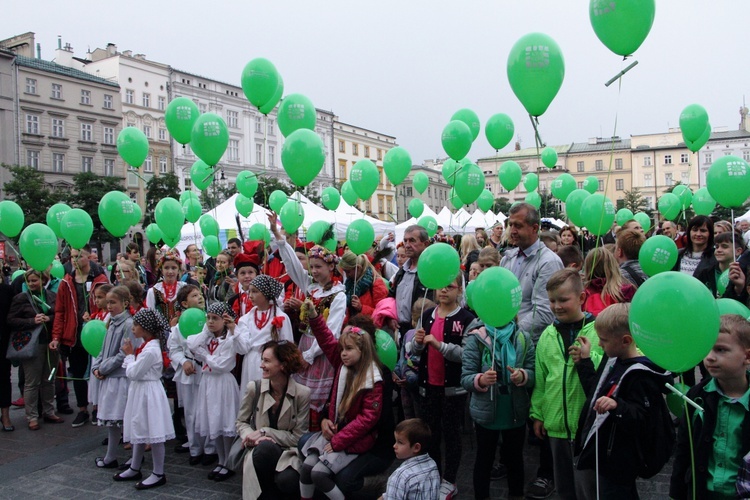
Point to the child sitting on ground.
(418, 477)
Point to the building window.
(32, 159)
(708, 158)
(389, 203)
(162, 103)
(56, 91)
(148, 165)
(580, 184)
(746, 155)
(342, 169)
(258, 124)
(129, 96)
(684, 158)
(271, 156)
(342, 146)
(355, 149)
(202, 107)
(668, 180)
(620, 184)
(646, 161)
(618, 163)
(233, 150)
(380, 157)
(648, 180)
(270, 127)
(109, 135)
(86, 132)
(162, 134)
(667, 159)
(58, 162)
(134, 195)
(409, 191)
(87, 163)
(380, 204)
(599, 165)
(258, 153)
(132, 181)
(58, 127)
(31, 85)
(32, 124)
(85, 97)
(108, 101)
(109, 167)
(429, 191)
(367, 151)
(147, 131)
(233, 119)
(579, 166)
(146, 100)
(162, 164)
(684, 178)
(601, 185)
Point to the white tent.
(345, 214)
(401, 228)
(479, 219)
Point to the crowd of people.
(285, 382)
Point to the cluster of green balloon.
(191, 206)
(302, 156)
(696, 145)
(684, 194)
(496, 296)
(469, 183)
(534, 199)
(536, 70)
(211, 245)
(457, 138)
(549, 157)
(55, 213)
(92, 336)
(180, 117)
(644, 220)
(201, 174)
(439, 265)
(471, 119)
(429, 223)
(38, 246)
(208, 225)
(455, 199)
(693, 123)
(728, 181)
(669, 206)
(703, 202)
(674, 320)
(591, 184)
(364, 177)
(486, 201)
(210, 138)
(623, 215)
(731, 306)
(397, 165)
(499, 130)
(416, 207)
(295, 112)
(420, 182)
(597, 214)
(330, 198)
(244, 205)
(192, 321)
(170, 218)
(531, 182)
(622, 26)
(292, 216)
(348, 194)
(322, 233)
(510, 175)
(154, 234)
(386, 349)
(259, 232)
(449, 170)
(359, 236)
(247, 183)
(77, 227)
(657, 255)
(562, 186)
(11, 218)
(261, 83)
(132, 145)
(118, 213)
(277, 200)
(573, 205)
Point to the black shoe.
(94, 420)
(181, 449)
(103, 465)
(214, 473)
(499, 471)
(81, 418)
(105, 441)
(223, 475)
(209, 458)
(125, 466)
(195, 460)
(65, 410)
(134, 477)
(161, 482)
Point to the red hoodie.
(65, 327)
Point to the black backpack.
(655, 441)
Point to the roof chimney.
(38, 50)
(111, 49)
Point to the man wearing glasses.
(406, 287)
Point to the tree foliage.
(164, 186)
(267, 185)
(501, 205)
(634, 201)
(87, 193)
(28, 189)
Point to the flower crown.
(172, 255)
(318, 252)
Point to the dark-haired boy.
(418, 477)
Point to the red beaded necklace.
(265, 317)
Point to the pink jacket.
(385, 309)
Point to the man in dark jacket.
(406, 287)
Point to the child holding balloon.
(101, 313)
(163, 295)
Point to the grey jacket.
(109, 361)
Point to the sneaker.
(65, 410)
(447, 490)
(540, 488)
(81, 418)
(94, 420)
(18, 402)
(499, 471)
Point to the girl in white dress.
(162, 296)
(108, 370)
(100, 292)
(218, 398)
(263, 323)
(147, 416)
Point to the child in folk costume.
(107, 369)
(264, 322)
(218, 398)
(327, 294)
(246, 268)
(147, 419)
(221, 283)
(101, 313)
(163, 295)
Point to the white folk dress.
(148, 418)
(178, 354)
(113, 389)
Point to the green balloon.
(562, 186)
(573, 205)
(244, 205)
(132, 144)
(136, 215)
(260, 81)
(510, 175)
(657, 255)
(471, 120)
(416, 207)
(259, 232)
(457, 139)
(170, 217)
(364, 178)
(429, 223)
(386, 349)
(455, 199)
(116, 213)
(728, 181)
(531, 182)
(192, 321)
(622, 26)
(397, 165)
(731, 306)
(535, 71)
(496, 296)
(684, 194)
(172, 241)
(420, 182)
(11, 218)
(722, 282)
(591, 184)
(154, 234)
(485, 201)
(597, 214)
(674, 320)
(533, 198)
(201, 175)
(623, 215)
(38, 246)
(303, 155)
(192, 210)
(439, 266)
(644, 220)
(54, 215)
(450, 170)
(92, 336)
(669, 206)
(247, 183)
(16, 274)
(209, 138)
(703, 203)
(693, 122)
(211, 245)
(330, 198)
(180, 117)
(696, 145)
(268, 107)
(208, 225)
(549, 157)
(77, 227)
(674, 402)
(188, 194)
(296, 112)
(360, 236)
(292, 216)
(57, 271)
(348, 193)
(320, 232)
(469, 183)
(470, 294)
(499, 130)
(277, 200)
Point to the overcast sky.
(403, 67)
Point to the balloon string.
(734, 248)
(135, 172)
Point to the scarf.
(363, 284)
(502, 342)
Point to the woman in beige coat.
(271, 423)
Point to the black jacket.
(456, 325)
(708, 261)
(417, 292)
